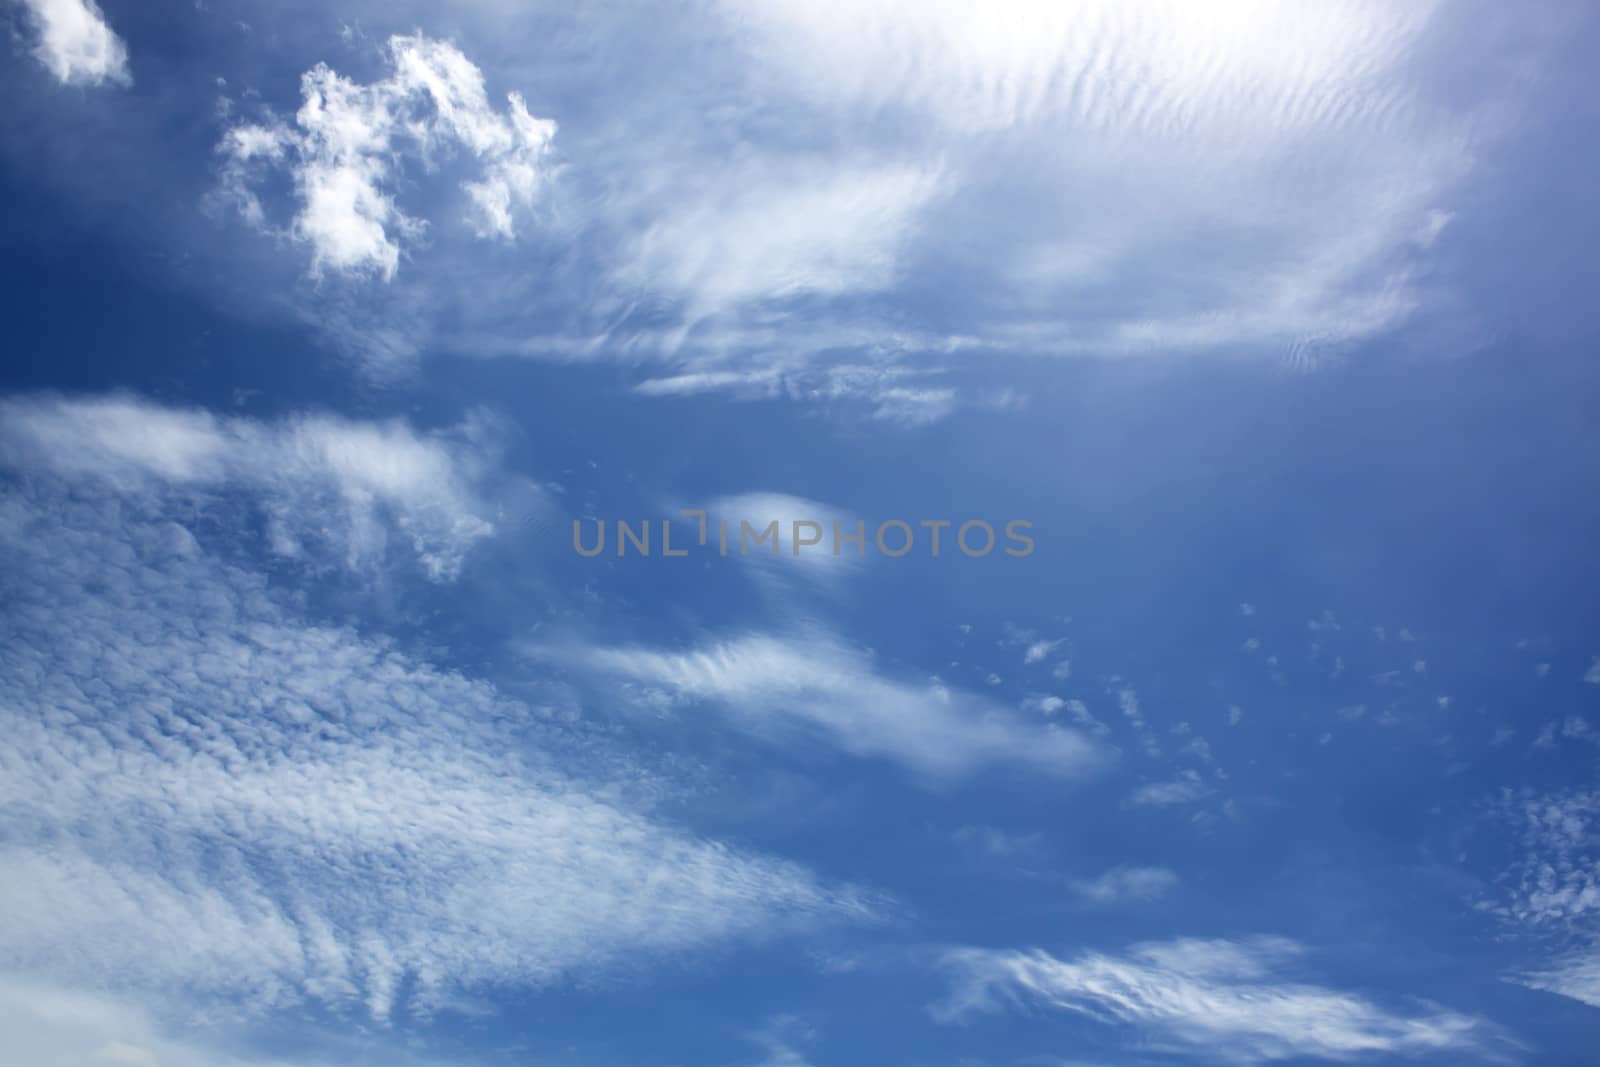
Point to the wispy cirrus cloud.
(1245, 63)
(836, 202)
(325, 486)
(1169, 177)
(778, 230)
(1186, 788)
(814, 685)
(1231, 999)
(845, 202)
(1127, 883)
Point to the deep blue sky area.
(326, 325)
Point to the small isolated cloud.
(1324, 624)
(1039, 650)
(818, 686)
(1127, 883)
(1592, 675)
(1128, 704)
(1077, 711)
(1230, 998)
(76, 44)
(782, 1041)
(345, 148)
(1184, 789)
(325, 486)
(784, 558)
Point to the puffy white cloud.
(1227, 997)
(76, 44)
(325, 484)
(348, 141)
(814, 685)
(211, 802)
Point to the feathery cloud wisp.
(1225, 996)
(324, 484)
(817, 685)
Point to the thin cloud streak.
(1227, 997)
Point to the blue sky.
(326, 323)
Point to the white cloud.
(346, 145)
(1196, 176)
(783, 561)
(50, 1026)
(1128, 703)
(1184, 789)
(781, 1040)
(76, 45)
(815, 685)
(891, 186)
(761, 383)
(1576, 976)
(211, 802)
(1246, 63)
(1040, 649)
(884, 392)
(781, 230)
(1076, 710)
(324, 484)
(1226, 997)
(1044, 705)
(1127, 883)
(1551, 891)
